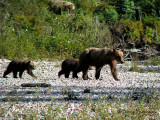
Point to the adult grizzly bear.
(20, 66)
(99, 57)
(69, 65)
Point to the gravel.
(63, 89)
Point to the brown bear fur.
(20, 66)
(99, 57)
(69, 65)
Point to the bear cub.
(68, 65)
(99, 57)
(20, 66)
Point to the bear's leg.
(85, 73)
(114, 70)
(29, 71)
(67, 74)
(75, 72)
(20, 74)
(98, 70)
(6, 73)
(74, 76)
(60, 73)
(15, 74)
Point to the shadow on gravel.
(76, 93)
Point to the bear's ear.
(114, 50)
(29, 62)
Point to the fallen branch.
(35, 85)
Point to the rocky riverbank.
(131, 85)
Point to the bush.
(111, 14)
(63, 36)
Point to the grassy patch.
(134, 68)
(155, 61)
(147, 67)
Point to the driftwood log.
(35, 85)
(139, 54)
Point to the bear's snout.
(122, 61)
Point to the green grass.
(134, 68)
(154, 61)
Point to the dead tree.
(142, 42)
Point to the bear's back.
(17, 65)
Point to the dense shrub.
(111, 15)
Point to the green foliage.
(111, 14)
(126, 8)
(41, 35)
(85, 6)
(152, 28)
(131, 30)
(148, 7)
(148, 34)
(99, 11)
(154, 61)
(29, 29)
(134, 68)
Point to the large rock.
(58, 6)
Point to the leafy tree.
(125, 8)
(157, 6)
(110, 15)
(105, 13)
(149, 7)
